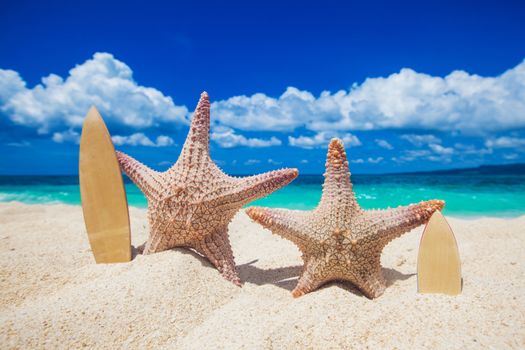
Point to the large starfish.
(338, 239)
(191, 204)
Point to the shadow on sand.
(283, 277)
(286, 277)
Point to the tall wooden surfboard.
(104, 200)
(438, 264)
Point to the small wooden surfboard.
(102, 191)
(438, 264)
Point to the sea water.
(465, 195)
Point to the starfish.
(191, 204)
(338, 239)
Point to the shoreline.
(54, 295)
(455, 216)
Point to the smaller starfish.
(191, 204)
(338, 239)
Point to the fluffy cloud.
(384, 144)
(445, 151)
(421, 140)
(434, 153)
(471, 149)
(322, 139)
(505, 142)
(510, 156)
(66, 136)
(227, 138)
(460, 101)
(102, 81)
(408, 99)
(375, 160)
(139, 139)
(411, 155)
(22, 143)
(10, 85)
(262, 113)
(369, 160)
(252, 162)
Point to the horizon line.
(320, 174)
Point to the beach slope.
(53, 295)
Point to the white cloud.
(303, 161)
(440, 158)
(273, 162)
(163, 141)
(505, 142)
(421, 140)
(322, 139)
(445, 151)
(384, 144)
(463, 149)
(22, 143)
(411, 155)
(102, 81)
(66, 136)
(375, 160)
(139, 139)
(227, 138)
(369, 160)
(435, 153)
(459, 101)
(260, 112)
(10, 85)
(252, 162)
(510, 156)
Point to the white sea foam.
(365, 196)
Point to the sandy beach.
(53, 295)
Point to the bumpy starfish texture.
(338, 239)
(191, 204)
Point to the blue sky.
(407, 86)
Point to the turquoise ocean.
(466, 194)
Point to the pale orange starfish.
(338, 239)
(191, 204)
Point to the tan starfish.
(191, 204)
(338, 239)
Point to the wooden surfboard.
(438, 264)
(102, 191)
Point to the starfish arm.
(372, 285)
(288, 224)
(392, 223)
(159, 239)
(196, 146)
(311, 278)
(337, 184)
(216, 247)
(248, 189)
(146, 179)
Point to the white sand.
(53, 295)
